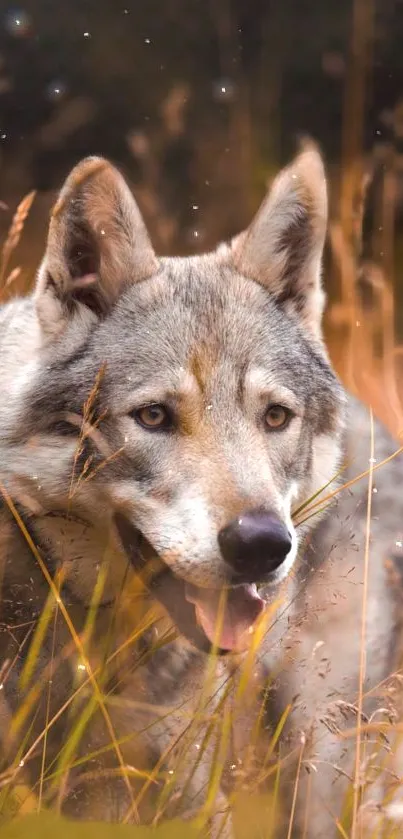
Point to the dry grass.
(12, 240)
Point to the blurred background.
(199, 102)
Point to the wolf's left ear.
(97, 245)
(282, 249)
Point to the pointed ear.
(282, 249)
(97, 245)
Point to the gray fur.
(217, 338)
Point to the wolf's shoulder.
(19, 344)
(16, 316)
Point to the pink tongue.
(233, 611)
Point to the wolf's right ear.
(97, 246)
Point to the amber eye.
(153, 417)
(277, 417)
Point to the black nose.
(254, 545)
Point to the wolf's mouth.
(206, 617)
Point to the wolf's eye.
(153, 417)
(277, 417)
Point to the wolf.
(186, 487)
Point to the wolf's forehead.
(196, 299)
(203, 323)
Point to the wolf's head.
(216, 389)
